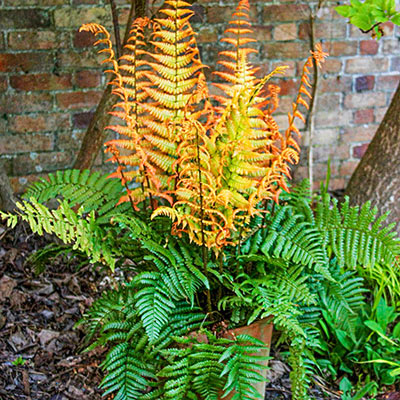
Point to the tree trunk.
(96, 133)
(7, 201)
(377, 177)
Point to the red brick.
(324, 153)
(390, 46)
(290, 72)
(20, 184)
(364, 116)
(360, 100)
(84, 39)
(332, 66)
(24, 18)
(223, 14)
(369, 47)
(198, 17)
(335, 84)
(395, 64)
(347, 168)
(356, 32)
(366, 65)
(262, 32)
(82, 120)
(74, 60)
(288, 86)
(333, 118)
(388, 28)
(359, 151)
(87, 79)
(327, 30)
(77, 2)
(285, 32)
(325, 136)
(66, 140)
(75, 100)
(3, 83)
(25, 62)
(72, 17)
(37, 162)
(329, 101)
(43, 40)
(41, 82)
(388, 82)
(38, 3)
(283, 12)
(339, 49)
(285, 50)
(363, 83)
(25, 143)
(38, 123)
(379, 114)
(337, 184)
(358, 134)
(207, 35)
(11, 103)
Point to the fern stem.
(125, 183)
(203, 245)
(220, 270)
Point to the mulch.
(37, 318)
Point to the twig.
(310, 121)
(116, 28)
(370, 29)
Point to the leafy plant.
(369, 14)
(19, 361)
(197, 210)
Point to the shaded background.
(51, 78)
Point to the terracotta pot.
(261, 330)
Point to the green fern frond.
(91, 191)
(292, 238)
(128, 377)
(355, 235)
(242, 366)
(83, 233)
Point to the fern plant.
(197, 210)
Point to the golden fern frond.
(238, 35)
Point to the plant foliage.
(212, 242)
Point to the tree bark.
(7, 201)
(377, 177)
(96, 132)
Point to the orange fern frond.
(98, 29)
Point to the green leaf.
(361, 21)
(365, 390)
(356, 3)
(377, 329)
(344, 339)
(396, 331)
(396, 19)
(345, 385)
(344, 11)
(395, 372)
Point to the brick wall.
(50, 79)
